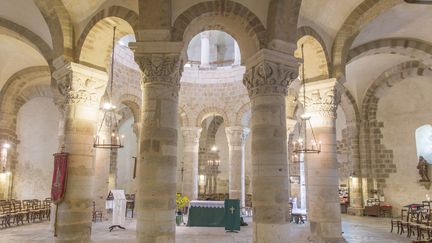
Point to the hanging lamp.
(301, 145)
(109, 120)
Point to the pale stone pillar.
(355, 180)
(237, 54)
(267, 77)
(82, 87)
(236, 141)
(102, 171)
(205, 49)
(157, 163)
(112, 178)
(191, 137)
(322, 169)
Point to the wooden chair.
(413, 223)
(3, 216)
(26, 208)
(424, 227)
(398, 220)
(96, 214)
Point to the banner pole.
(55, 220)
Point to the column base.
(355, 211)
(274, 233)
(326, 240)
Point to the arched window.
(423, 137)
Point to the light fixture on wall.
(109, 120)
(302, 145)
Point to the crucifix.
(182, 174)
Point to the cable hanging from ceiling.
(109, 120)
(301, 145)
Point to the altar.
(206, 214)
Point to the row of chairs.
(15, 212)
(415, 221)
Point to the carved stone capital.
(191, 135)
(270, 72)
(79, 84)
(237, 135)
(322, 99)
(160, 62)
(160, 68)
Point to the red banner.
(59, 177)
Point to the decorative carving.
(323, 102)
(237, 135)
(191, 135)
(80, 84)
(269, 77)
(160, 68)
(422, 167)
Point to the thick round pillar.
(322, 169)
(85, 87)
(191, 137)
(205, 49)
(267, 77)
(236, 139)
(157, 162)
(102, 172)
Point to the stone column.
(268, 74)
(205, 49)
(82, 88)
(355, 180)
(322, 169)
(191, 137)
(236, 141)
(102, 171)
(112, 179)
(237, 54)
(157, 162)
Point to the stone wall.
(37, 129)
(405, 108)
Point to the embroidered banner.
(59, 177)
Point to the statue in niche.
(422, 166)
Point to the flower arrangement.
(181, 201)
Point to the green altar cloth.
(206, 217)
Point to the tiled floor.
(356, 230)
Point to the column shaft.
(236, 138)
(190, 161)
(157, 166)
(267, 77)
(205, 49)
(322, 168)
(102, 171)
(81, 108)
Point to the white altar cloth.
(207, 204)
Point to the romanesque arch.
(28, 37)
(419, 49)
(97, 56)
(359, 17)
(228, 16)
(60, 26)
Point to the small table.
(206, 213)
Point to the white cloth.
(299, 211)
(207, 204)
(119, 207)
